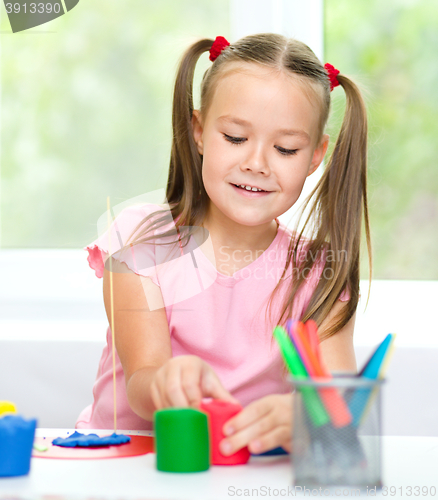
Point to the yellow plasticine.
(6, 408)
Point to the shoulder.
(134, 214)
(115, 234)
(129, 219)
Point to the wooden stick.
(112, 312)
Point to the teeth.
(249, 188)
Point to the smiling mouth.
(249, 188)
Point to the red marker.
(219, 412)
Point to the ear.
(318, 154)
(197, 130)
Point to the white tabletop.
(407, 462)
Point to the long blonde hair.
(336, 204)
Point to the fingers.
(191, 386)
(177, 383)
(279, 436)
(248, 428)
(212, 387)
(263, 425)
(183, 382)
(180, 386)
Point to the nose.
(256, 160)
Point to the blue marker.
(360, 397)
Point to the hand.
(263, 425)
(183, 381)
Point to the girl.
(200, 282)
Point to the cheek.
(209, 173)
(210, 176)
(215, 161)
(293, 181)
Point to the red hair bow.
(218, 46)
(332, 74)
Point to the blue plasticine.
(84, 440)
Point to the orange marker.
(312, 335)
(333, 401)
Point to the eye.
(286, 152)
(234, 140)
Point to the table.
(407, 461)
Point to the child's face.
(260, 131)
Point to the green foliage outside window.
(391, 47)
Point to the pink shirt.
(219, 318)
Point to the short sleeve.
(140, 258)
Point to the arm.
(267, 423)
(153, 378)
(141, 335)
(337, 351)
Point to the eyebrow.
(244, 123)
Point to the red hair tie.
(333, 75)
(218, 46)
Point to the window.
(391, 48)
(86, 112)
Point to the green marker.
(313, 403)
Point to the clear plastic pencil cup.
(337, 433)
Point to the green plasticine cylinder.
(181, 440)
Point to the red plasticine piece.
(219, 412)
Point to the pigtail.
(185, 191)
(340, 199)
(184, 182)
